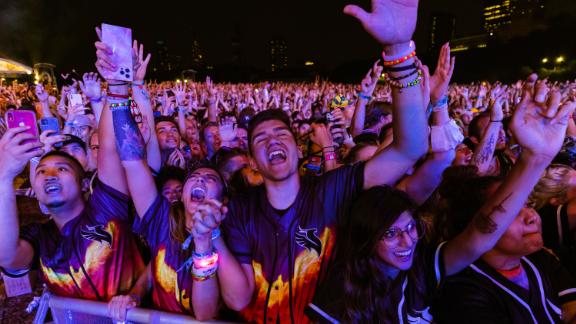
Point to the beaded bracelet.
(400, 60)
(402, 77)
(398, 85)
(120, 105)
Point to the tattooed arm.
(132, 151)
(540, 135)
(141, 96)
(483, 156)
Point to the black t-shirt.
(480, 294)
(557, 236)
(290, 253)
(409, 296)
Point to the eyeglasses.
(394, 234)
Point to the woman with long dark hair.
(387, 274)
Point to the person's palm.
(91, 86)
(540, 127)
(390, 22)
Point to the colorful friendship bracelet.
(399, 85)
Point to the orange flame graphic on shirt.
(306, 270)
(167, 277)
(96, 255)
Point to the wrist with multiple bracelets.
(395, 64)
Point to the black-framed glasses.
(414, 229)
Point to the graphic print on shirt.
(306, 269)
(167, 277)
(96, 255)
(97, 233)
(307, 239)
(417, 317)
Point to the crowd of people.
(401, 199)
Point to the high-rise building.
(278, 55)
(197, 55)
(497, 14)
(442, 26)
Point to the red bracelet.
(115, 95)
(400, 60)
(330, 156)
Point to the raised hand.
(440, 80)
(370, 81)
(207, 217)
(391, 22)
(91, 86)
(539, 125)
(49, 141)
(41, 93)
(321, 135)
(16, 153)
(104, 61)
(180, 93)
(176, 159)
(140, 63)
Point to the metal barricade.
(70, 310)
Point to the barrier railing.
(70, 310)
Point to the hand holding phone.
(23, 118)
(119, 41)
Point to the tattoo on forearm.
(129, 141)
(483, 221)
(487, 151)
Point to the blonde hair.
(552, 184)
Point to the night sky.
(62, 32)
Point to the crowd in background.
(401, 198)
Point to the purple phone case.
(19, 118)
(119, 39)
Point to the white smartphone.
(75, 100)
(119, 39)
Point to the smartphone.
(119, 39)
(75, 100)
(50, 123)
(20, 118)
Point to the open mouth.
(276, 156)
(198, 194)
(52, 188)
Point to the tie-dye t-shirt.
(95, 255)
(290, 253)
(172, 290)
